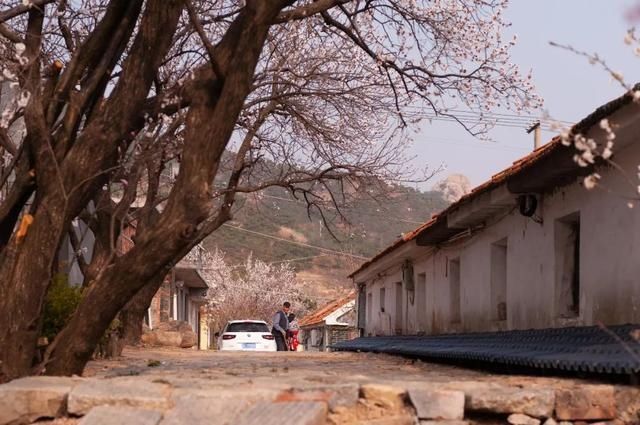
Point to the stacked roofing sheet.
(612, 350)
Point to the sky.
(570, 86)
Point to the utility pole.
(536, 134)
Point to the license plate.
(249, 345)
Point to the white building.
(531, 248)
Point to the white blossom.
(20, 47)
(8, 75)
(591, 181)
(23, 99)
(253, 290)
(628, 38)
(617, 76)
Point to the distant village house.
(330, 324)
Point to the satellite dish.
(527, 204)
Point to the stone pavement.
(164, 386)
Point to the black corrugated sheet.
(611, 350)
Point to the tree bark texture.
(210, 123)
(25, 273)
(132, 315)
(70, 166)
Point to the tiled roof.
(524, 163)
(496, 180)
(319, 316)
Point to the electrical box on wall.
(407, 275)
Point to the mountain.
(275, 227)
(453, 187)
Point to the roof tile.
(320, 315)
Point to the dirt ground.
(296, 368)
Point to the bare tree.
(114, 91)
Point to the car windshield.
(247, 327)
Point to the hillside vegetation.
(275, 227)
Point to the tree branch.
(21, 9)
(9, 34)
(193, 16)
(304, 12)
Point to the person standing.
(280, 326)
(292, 333)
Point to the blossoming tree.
(253, 290)
(112, 92)
(589, 152)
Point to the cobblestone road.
(171, 386)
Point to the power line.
(239, 266)
(298, 259)
(319, 248)
(469, 114)
(509, 116)
(493, 119)
(348, 208)
(474, 122)
(480, 145)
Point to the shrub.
(60, 303)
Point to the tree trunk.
(25, 277)
(146, 263)
(210, 124)
(26, 271)
(132, 316)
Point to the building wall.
(609, 269)
(320, 337)
(349, 317)
(174, 303)
(160, 304)
(312, 338)
(341, 333)
(205, 332)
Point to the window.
(454, 290)
(247, 327)
(316, 337)
(382, 299)
(567, 253)
(369, 306)
(499, 280)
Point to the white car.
(246, 335)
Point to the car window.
(247, 327)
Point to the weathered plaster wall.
(609, 266)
